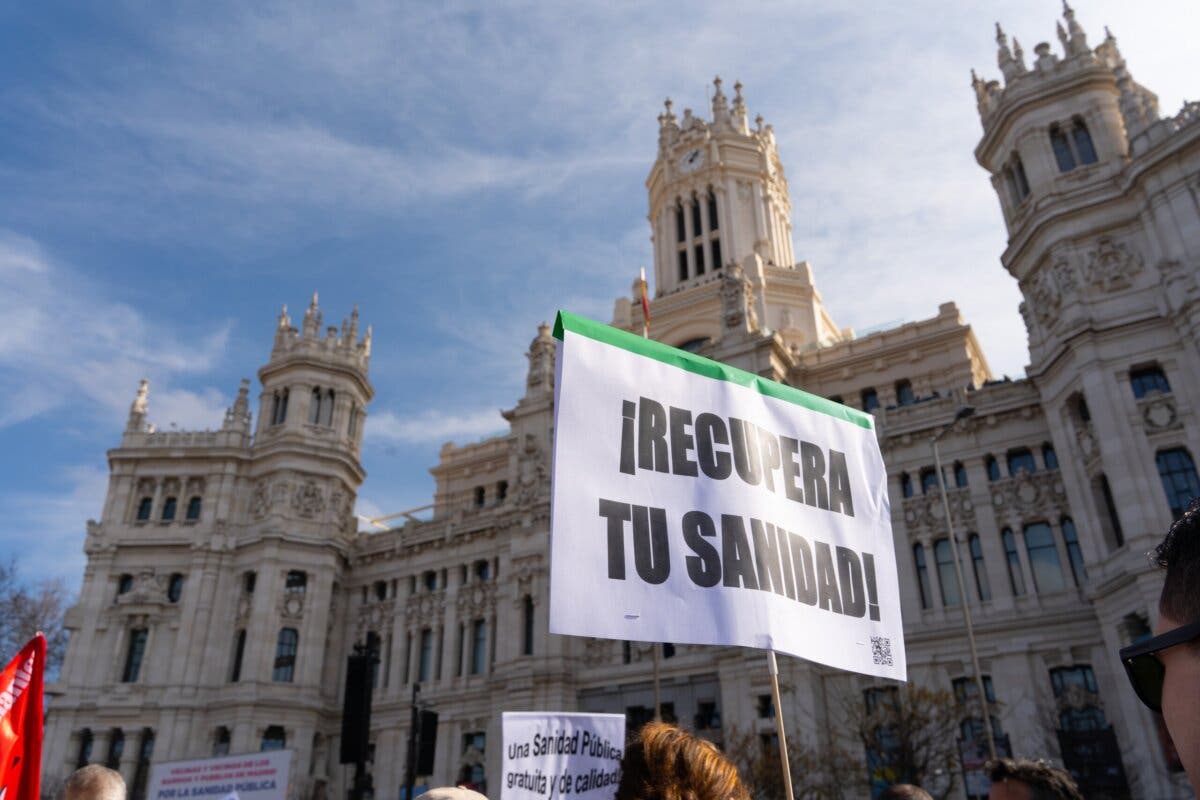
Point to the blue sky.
(170, 176)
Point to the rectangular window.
(766, 706)
(980, 570)
(716, 253)
(922, 576)
(1062, 150)
(870, 400)
(698, 252)
(1179, 478)
(1148, 379)
(1021, 460)
(134, 655)
(1016, 577)
(239, 650)
(1043, 558)
(284, 670)
(683, 268)
(478, 647)
(948, 581)
(1114, 519)
(1078, 698)
(425, 665)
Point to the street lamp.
(962, 413)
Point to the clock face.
(692, 160)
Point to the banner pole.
(773, 669)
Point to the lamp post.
(962, 413)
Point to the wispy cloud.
(431, 426)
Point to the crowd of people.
(665, 762)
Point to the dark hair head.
(666, 763)
(1179, 555)
(1045, 781)
(904, 791)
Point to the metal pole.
(410, 776)
(773, 669)
(657, 693)
(966, 607)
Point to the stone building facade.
(227, 581)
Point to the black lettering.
(628, 409)
(745, 451)
(651, 554)
(766, 556)
(652, 436)
(617, 515)
(806, 578)
(813, 461)
(854, 604)
(791, 469)
(681, 442)
(827, 589)
(868, 562)
(785, 555)
(710, 429)
(839, 484)
(704, 568)
(768, 446)
(735, 553)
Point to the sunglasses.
(1145, 671)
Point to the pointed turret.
(738, 115)
(138, 408)
(1077, 43)
(237, 416)
(312, 319)
(1010, 67)
(720, 104)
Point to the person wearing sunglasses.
(1165, 669)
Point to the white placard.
(695, 503)
(550, 755)
(254, 776)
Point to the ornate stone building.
(226, 582)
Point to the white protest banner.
(550, 755)
(254, 776)
(696, 503)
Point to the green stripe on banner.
(705, 366)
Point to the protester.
(666, 763)
(453, 793)
(94, 782)
(1165, 669)
(1025, 779)
(904, 791)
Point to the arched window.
(527, 625)
(1016, 577)
(1049, 457)
(193, 509)
(327, 409)
(239, 650)
(697, 226)
(168, 512)
(1062, 149)
(922, 575)
(1014, 177)
(693, 345)
(1083, 142)
(713, 223)
(977, 566)
(1179, 479)
(929, 480)
(993, 468)
(279, 408)
(175, 587)
(134, 655)
(1043, 558)
(1020, 460)
(478, 646)
(285, 656)
(948, 582)
(1077, 405)
(141, 772)
(274, 738)
(1074, 554)
(314, 406)
(906, 485)
(84, 756)
(221, 740)
(680, 226)
(960, 475)
(1148, 379)
(904, 393)
(124, 583)
(145, 506)
(870, 400)
(116, 748)
(296, 582)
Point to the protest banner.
(549, 755)
(21, 722)
(253, 776)
(696, 503)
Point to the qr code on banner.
(881, 650)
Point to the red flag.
(21, 722)
(645, 307)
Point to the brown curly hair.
(1045, 781)
(666, 763)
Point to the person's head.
(453, 793)
(904, 791)
(1165, 669)
(666, 763)
(94, 782)
(1024, 779)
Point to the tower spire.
(720, 105)
(1011, 67)
(1077, 43)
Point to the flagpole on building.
(773, 668)
(655, 646)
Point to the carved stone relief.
(1112, 265)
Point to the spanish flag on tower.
(21, 722)
(645, 308)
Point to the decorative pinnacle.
(668, 105)
(313, 304)
(737, 89)
(1001, 39)
(717, 82)
(1108, 34)
(1067, 10)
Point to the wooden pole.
(773, 668)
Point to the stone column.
(690, 235)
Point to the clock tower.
(720, 221)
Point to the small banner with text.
(550, 755)
(253, 776)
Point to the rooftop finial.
(284, 320)
(739, 109)
(1011, 67)
(720, 105)
(1062, 38)
(1078, 39)
(237, 416)
(312, 319)
(138, 408)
